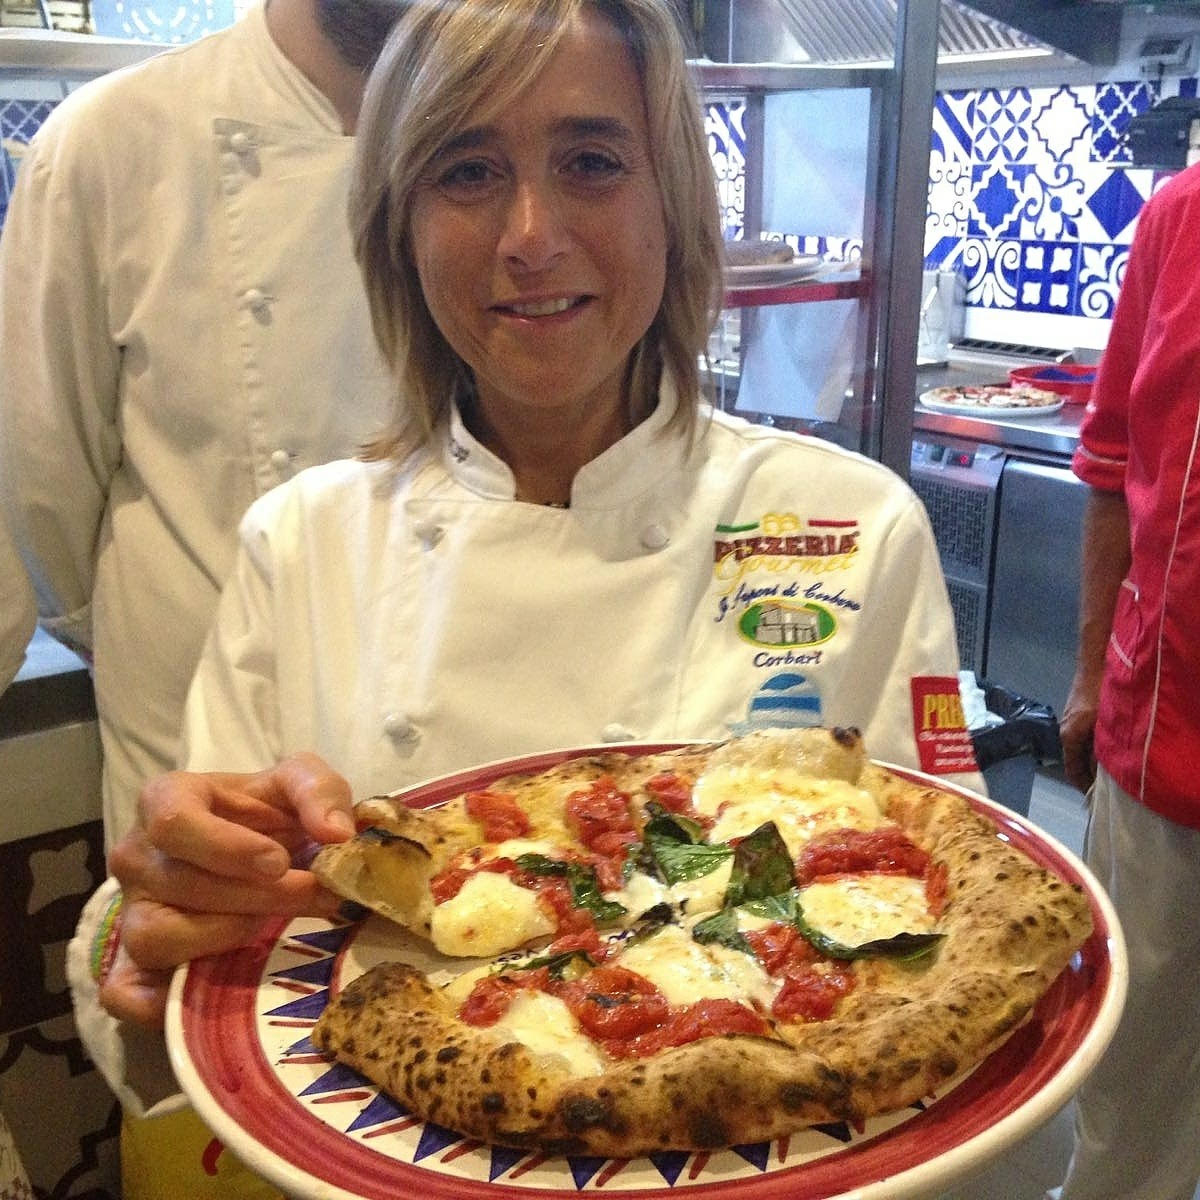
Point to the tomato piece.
(588, 941)
(853, 851)
(448, 883)
(690, 1023)
(491, 995)
(499, 814)
(600, 817)
(778, 946)
(811, 995)
(613, 1002)
(555, 894)
(672, 791)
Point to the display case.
(834, 160)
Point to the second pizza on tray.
(992, 396)
(692, 949)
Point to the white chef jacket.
(405, 623)
(182, 327)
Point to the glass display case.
(832, 158)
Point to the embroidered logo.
(777, 623)
(786, 700)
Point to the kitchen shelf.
(49, 53)
(808, 291)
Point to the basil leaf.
(585, 893)
(722, 927)
(569, 964)
(585, 890)
(539, 864)
(675, 846)
(762, 866)
(675, 825)
(906, 947)
(783, 907)
(679, 862)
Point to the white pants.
(1137, 1123)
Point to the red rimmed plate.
(237, 1031)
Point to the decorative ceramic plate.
(238, 1032)
(773, 274)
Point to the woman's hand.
(211, 859)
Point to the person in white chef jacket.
(182, 327)
(553, 543)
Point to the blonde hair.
(451, 64)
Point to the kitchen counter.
(1055, 434)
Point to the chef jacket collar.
(626, 469)
(303, 101)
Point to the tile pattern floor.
(1040, 1161)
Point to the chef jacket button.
(240, 142)
(430, 532)
(655, 537)
(615, 733)
(281, 460)
(398, 727)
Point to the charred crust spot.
(531, 1092)
(485, 1076)
(420, 1056)
(848, 736)
(448, 1054)
(707, 1130)
(585, 1112)
(492, 1102)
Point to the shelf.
(783, 77)
(47, 53)
(807, 291)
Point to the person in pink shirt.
(1131, 725)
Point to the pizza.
(692, 949)
(753, 252)
(992, 396)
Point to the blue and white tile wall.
(1033, 199)
(19, 121)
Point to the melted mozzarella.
(705, 894)
(515, 847)
(867, 908)
(489, 914)
(640, 893)
(742, 798)
(544, 1024)
(685, 971)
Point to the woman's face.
(539, 236)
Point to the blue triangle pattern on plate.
(338, 1078)
(307, 1007)
(504, 1158)
(756, 1154)
(434, 1138)
(836, 1129)
(304, 1046)
(319, 973)
(670, 1163)
(584, 1167)
(380, 1111)
(330, 940)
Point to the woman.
(555, 544)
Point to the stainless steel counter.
(1056, 434)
